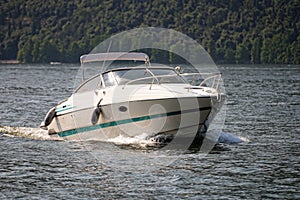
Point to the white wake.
(142, 140)
(28, 132)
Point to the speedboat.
(131, 100)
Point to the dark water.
(263, 106)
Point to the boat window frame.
(98, 85)
(112, 76)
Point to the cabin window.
(109, 79)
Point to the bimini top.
(111, 56)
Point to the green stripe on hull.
(125, 121)
(63, 109)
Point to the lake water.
(263, 105)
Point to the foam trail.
(229, 138)
(141, 140)
(28, 132)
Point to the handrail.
(215, 76)
(155, 77)
(215, 83)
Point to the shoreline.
(9, 62)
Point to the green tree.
(48, 52)
(229, 56)
(266, 54)
(218, 25)
(295, 51)
(255, 51)
(212, 48)
(242, 54)
(11, 48)
(25, 53)
(36, 51)
(74, 52)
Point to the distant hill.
(232, 31)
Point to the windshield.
(146, 76)
(89, 84)
(131, 76)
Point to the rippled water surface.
(263, 106)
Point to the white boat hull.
(133, 118)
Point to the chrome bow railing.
(198, 80)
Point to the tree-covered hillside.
(232, 31)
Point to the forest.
(232, 31)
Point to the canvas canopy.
(111, 56)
